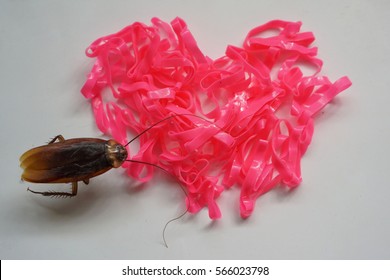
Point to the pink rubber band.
(250, 140)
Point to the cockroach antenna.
(163, 169)
(182, 188)
(161, 121)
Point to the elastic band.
(258, 100)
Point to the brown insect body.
(70, 161)
(78, 159)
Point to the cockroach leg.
(74, 188)
(58, 194)
(60, 138)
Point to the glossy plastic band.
(257, 95)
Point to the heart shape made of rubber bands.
(258, 103)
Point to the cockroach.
(70, 161)
(77, 159)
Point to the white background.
(340, 211)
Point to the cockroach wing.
(67, 161)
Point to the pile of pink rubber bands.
(257, 105)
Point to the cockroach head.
(116, 153)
